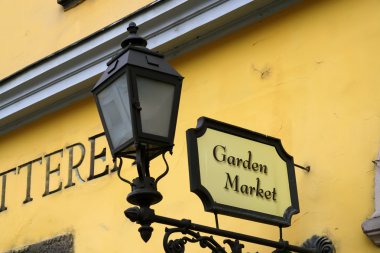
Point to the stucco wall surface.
(32, 30)
(307, 76)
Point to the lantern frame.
(136, 61)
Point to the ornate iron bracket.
(146, 216)
(144, 194)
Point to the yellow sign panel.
(241, 173)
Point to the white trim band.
(171, 27)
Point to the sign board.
(241, 173)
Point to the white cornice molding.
(171, 27)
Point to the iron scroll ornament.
(207, 199)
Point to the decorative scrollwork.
(321, 243)
(178, 245)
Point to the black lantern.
(138, 99)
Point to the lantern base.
(144, 193)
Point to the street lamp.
(138, 99)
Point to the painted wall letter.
(28, 167)
(93, 157)
(75, 166)
(3, 175)
(49, 172)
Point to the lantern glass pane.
(114, 103)
(156, 101)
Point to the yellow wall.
(34, 29)
(307, 76)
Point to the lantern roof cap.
(138, 57)
(135, 54)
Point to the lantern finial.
(132, 28)
(133, 39)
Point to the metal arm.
(316, 244)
